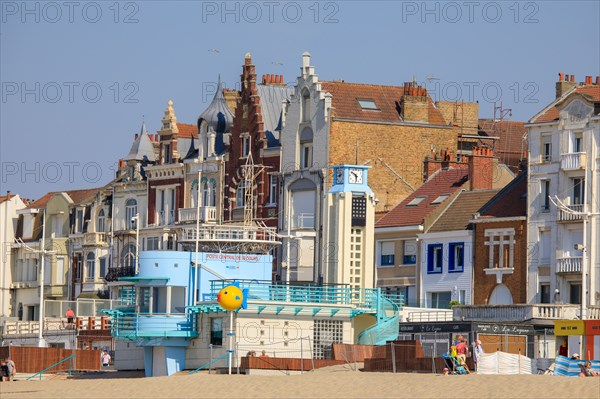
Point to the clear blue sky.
(70, 137)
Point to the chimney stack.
(564, 84)
(135, 137)
(481, 169)
(8, 195)
(598, 80)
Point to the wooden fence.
(31, 359)
(280, 363)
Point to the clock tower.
(349, 228)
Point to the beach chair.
(453, 364)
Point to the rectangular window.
(245, 146)
(434, 258)
(578, 191)
(153, 243)
(441, 300)
(306, 155)
(387, 254)
(575, 293)
(367, 104)
(79, 221)
(216, 331)
(167, 154)
(547, 149)
(272, 190)
(545, 195)
(577, 144)
(103, 268)
(410, 252)
(544, 247)
(544, 293)
(456, 257)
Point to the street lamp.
(137, 240)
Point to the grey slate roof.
(218, 115)
(271, 98)
(142, 147)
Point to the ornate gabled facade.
(255, 137)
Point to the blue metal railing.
(131, 325)
(325, 294)
(209, 363)
(388, 320)
(69, 358)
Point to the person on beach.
(70, 315)
(563, 350)
(11, 369)
(462, 350)
(264, 354)
(105, 358)
(3, 371)
(477, 352)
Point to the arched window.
(128, 256)
(213, 194)
(194, 195)
(130, 212)
(100, 227)
(240, 195)
(306, 148)
(205, 194)
(91, 267)
(501, 295)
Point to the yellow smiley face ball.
(230, 298)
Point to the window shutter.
(430, 257)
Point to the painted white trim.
(500, 219)
(398, 229)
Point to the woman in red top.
(563, 350)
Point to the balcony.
(569, 264)
(115, 272)
(208, 214)
(303, 221)
(573, 161)
(231, 238)
(95, 239)
(515, 313)
(569, 216)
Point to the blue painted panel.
(172, 264)
(175, 358)
(148, 361)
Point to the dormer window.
(368, 104)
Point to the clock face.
(355, 176)
(339, 176)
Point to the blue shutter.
(451, 260)
(430, 258)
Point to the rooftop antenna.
(356, 153)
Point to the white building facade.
(564, 197)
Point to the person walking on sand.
(477, 352)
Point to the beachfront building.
(500, 247)
(89, 240)
(255, 138)
(389, 128)
(9, 205)
(563, 193)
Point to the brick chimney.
(414, 103)
(8, 195)
(481, 169)
(564, 84)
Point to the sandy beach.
(335, 383)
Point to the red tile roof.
(511, 201)
(78, 197)
(187, 131)
(345, 96)
(443, 182)
(592, 92)
(512, 143)
(461, 211)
